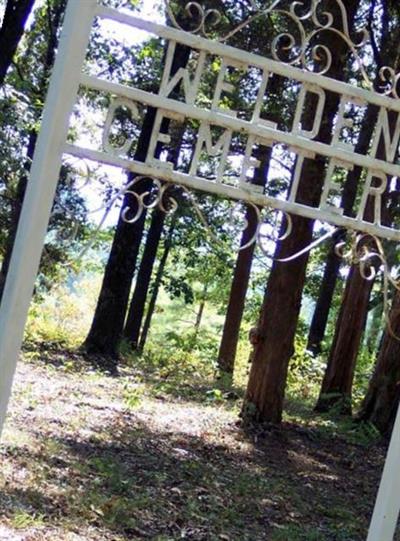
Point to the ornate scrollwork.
(157, 196)
(271, 225)
(307, 17)
(389, 82)
(200, 18)
(367, 252)
(300, 46)
(364, 250)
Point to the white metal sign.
(66, 79)
(258, 130)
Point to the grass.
(123, 459)
(158, 452)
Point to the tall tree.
(15, 18)
(137, 305)
(108, 322)
(241, 277)
(138, 302)
(242, 271)
(333, 262)
(382, 398)
(383, 55)
(339, 374)
(282, 301)
(156, 288)
(338, 379)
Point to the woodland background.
(156, 315)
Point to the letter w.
(190, 86)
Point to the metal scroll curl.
(271, 226)
(154, 196)
(301, 46)
(145, 193)
(200, 18)
(367, 252)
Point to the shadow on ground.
(132, 480)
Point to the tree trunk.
(338, 379)
(382, 399)
(199, 316)
(138, 302)
(240, 282)
(374, 334)
(11, 31)
(282, 301)
(16, 208)
(109, 317)
(331, 271)
(156, 288)
(385, 55)
(325, 297)
(276, 328)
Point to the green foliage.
(180, 359)
(133, 395)
(305, 371)
(23, 519)
(203, 343)
(63, 315)
(364, 370)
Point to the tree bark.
(382, 399)
(199, 317)
(386, 53)
(16, 208)
(200, 312)
(240, 282)
(156, 289)
(138, 302)
(108, 322)
(331, 271)
(11, 31)
(338, 379)
(109, 317)
(375, 334)
(325, 297)
(339, 375)
(137, 305)
(282, 301)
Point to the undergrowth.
(180, 362)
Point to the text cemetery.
(147, 115)
(312, 90)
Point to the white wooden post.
(387, 507)
(41, 188)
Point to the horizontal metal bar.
(280, 68)
(241, 126)
(224, 190)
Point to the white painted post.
(387, 507)
(41, 188)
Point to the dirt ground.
(87, 456)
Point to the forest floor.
(90, 456)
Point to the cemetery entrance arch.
(52, 144)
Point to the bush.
(305, 371)
(64, 315)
